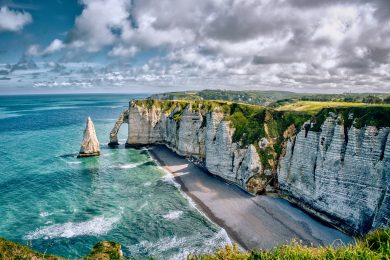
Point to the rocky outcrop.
(340, 174)
(200, 134)
(123, 118)
(90, 145)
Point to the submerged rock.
(90, 145)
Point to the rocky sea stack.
(90, 145)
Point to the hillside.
(272, 98)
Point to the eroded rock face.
(340, 174)
(144, 125)
(90, 145)
(123, 118)
(199, 134)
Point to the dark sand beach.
(261, 222)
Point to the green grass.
(12, 250)
(375, 245)
(104, 250)
(313, 107)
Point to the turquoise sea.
(62, 205)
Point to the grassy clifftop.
(375, 245)
(270, 97)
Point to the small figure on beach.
(90, 145)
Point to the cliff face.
(340, 174)
(337, 166)
(200, 134)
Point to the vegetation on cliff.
(271, 98)
(12, 250)
(104, 250)
(375, 245)
(252, 122)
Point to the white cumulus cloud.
(13, 21)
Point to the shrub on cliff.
(104, 250)
(12, 250)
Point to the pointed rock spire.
(90, 145)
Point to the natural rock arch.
(123, 118)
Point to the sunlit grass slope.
(375, 245)
(314, 107)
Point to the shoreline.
(254, 222)
(202, 207)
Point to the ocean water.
(62, 205)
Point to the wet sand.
(261, 222)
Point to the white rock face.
(123, 118)
(341, 175)
(144, 125)
(90, 145)
(206, 137)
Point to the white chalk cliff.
(340, 174)
(90, 144)
(201, 135)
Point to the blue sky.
(51, 19)
(62, 46)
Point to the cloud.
(97, 25)
(13, 21)
(339, 45)
(54, 46)
(121, 51)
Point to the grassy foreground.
(104, 250)
(375, 245)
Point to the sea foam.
(94, 227)
(180, 247)
(128, 166)
(175, 214)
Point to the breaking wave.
(179, 247)
(94, 227)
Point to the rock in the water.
(90, 145)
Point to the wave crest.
(94, 227)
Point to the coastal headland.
(332, 159)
